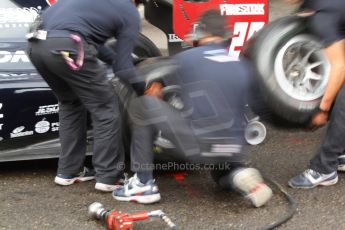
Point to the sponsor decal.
(174, 38)
(55, 126)
(242, 9)
(241, 33)
(17, 17)
(51, 2)
(47, 109)
(17, 56)
(42, 126)
(243, 17)
(19, 132)
(1, 114)
(18, 129)
(16, 76)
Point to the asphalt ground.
(30, 200)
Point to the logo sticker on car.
(174, 38)
(55, 126)
(1, 116)
(17, 17)
(51, 2)
(47, 109)
(42, 126)
(19, 132)
(17, 56)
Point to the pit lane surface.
(30, 200)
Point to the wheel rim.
(301, 68)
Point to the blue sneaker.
(341, 163)
(310, 179)
(138, 192)
(85, 175)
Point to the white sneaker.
(66, 179)
(106, 187)
(110, 187)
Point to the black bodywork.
(28, 108)
(29, 122)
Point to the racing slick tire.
(292, 68)
(143, 49)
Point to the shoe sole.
(325, 183)
(261, 196)
(247, 180)
(106, 188)
(147, 199)
(66, 182)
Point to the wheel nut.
(294, 73)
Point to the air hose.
(292, 207)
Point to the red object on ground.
(124, 221)
(179, 176)
(244, 17)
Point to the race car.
(29, 121)
(29, 110)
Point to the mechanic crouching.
(64, 45)
(210, 127)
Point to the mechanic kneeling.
(210, 128)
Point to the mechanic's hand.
(318, 120)
(154, 90)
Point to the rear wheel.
(145, 48)
(293, 69)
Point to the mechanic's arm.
(106, 54)
(123, 66)
(336, 57)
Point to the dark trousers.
(79, 91)
(326, 160)
(150, 115)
